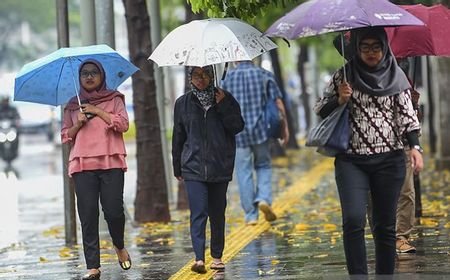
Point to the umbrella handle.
(343, 55)
(216, 79)
(224, 74)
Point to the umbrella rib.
(59, 78)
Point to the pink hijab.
(102, 94)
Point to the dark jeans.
(382, 175)
(89, 187)
(207, 200)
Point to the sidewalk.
(304, 243)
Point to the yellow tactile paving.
(241, 236)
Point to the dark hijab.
(101, 94)
(386, 78)
(206, 96)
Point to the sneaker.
(269, 215)
(402, 245)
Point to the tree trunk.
(151, 202)
(292, 143)
(182, 201)
(304, 96)
(442, 66)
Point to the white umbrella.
(211, 41)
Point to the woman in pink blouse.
(381, 115)
(97, 161)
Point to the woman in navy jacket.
(206, 120)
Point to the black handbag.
(331, 135)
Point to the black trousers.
(382, 174)
(207, 200)
(89, 187)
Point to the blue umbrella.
(53, 79)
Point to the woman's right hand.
(345, 91)
(81, 119)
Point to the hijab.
(206, 96)
(95, 97)
(386, 78)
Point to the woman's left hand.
(219, 95)
(416, 161)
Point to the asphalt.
(304, 243)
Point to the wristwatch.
(417, 147)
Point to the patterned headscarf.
(206, 96)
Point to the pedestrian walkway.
(304, 243)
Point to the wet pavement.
(304, 243)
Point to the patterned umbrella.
(323, 16)
(211, 41)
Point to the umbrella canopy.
(211, 41)
(316, 17)
(53, 79)
(431, 39)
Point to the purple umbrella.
(322, 16)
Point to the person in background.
(7, 111)
(381, 115)
(406, 202)
(251, 85)
(206, 120)
(97, 162)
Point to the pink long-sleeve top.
(97, 145)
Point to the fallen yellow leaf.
(429, 222)
(65, 253)
(301, 227)
(329, 227)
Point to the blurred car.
(38, 119)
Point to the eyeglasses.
(85, 74)
(375, 47)
(202, 76)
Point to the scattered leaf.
(329, 227)
(301, 227)
(320, 256)
(275, 262)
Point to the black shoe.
(93, 276)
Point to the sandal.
(92, 276)
(199, 268)
(217, 266)
(126, 264)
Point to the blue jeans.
(256, 157)
(207, 200)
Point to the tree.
(34, 19)
(151, 202)
(246, 10)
